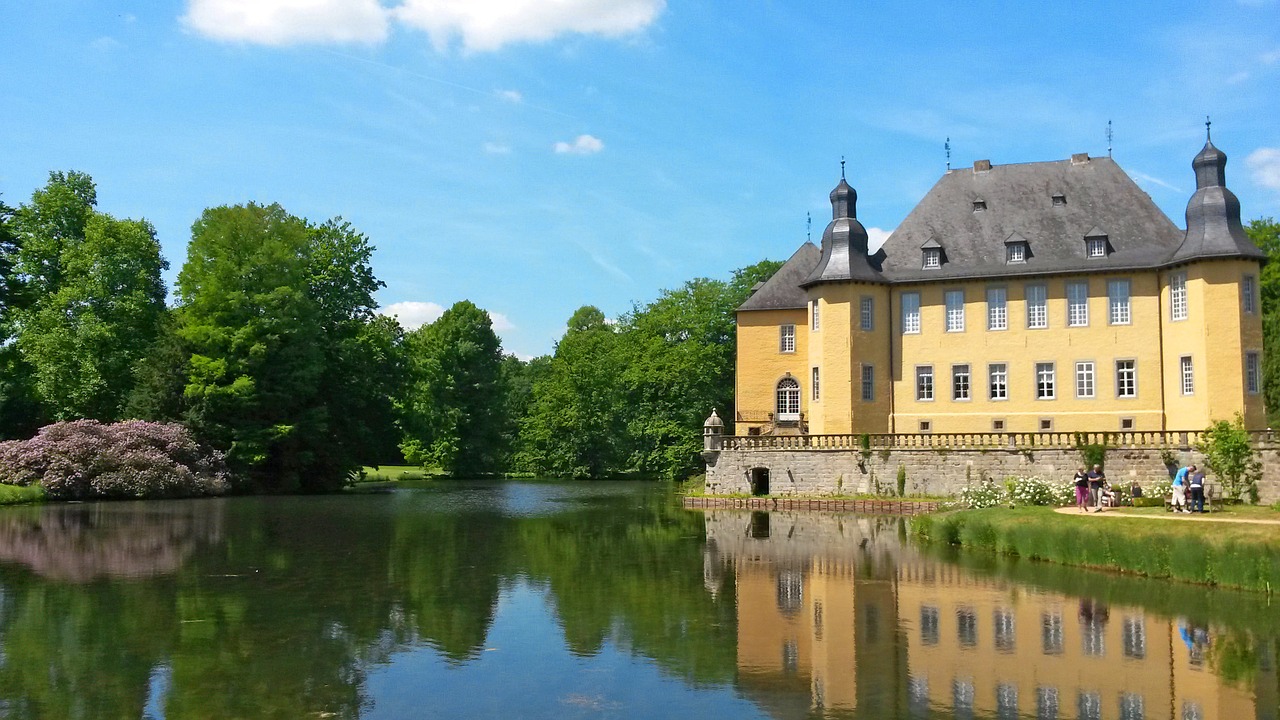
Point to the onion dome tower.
(1213, 213)
(844, 242)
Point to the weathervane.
(947, 146)
(1207, 123)
(1108, 138)
(841, 167)
(808, 226)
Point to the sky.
(534, 156)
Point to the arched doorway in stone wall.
(759, 481)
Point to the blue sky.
(534, 156)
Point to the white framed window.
(1037, 306)
(816, 385)
(1187, 373)
(997, 308)
(1095, 247)
(932, 258)
(924, 382)
(1015, 253)
(910, 313)
(1249, 294)
(960, 382)
(787, 338)
(788, 399)
(1078, 304)
(998, 381)
(1084, 380)
(1177, 296)
(1045, 381)
(1127, 378)
(868, 383)
(813, 314)
(1119, 312)
(867, 312)
(1252, 372)
(955, 310)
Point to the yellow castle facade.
(1036, 297)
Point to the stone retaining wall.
(942, 471)
(878, 507)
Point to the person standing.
(1196, 485)
(1180, 488)
(1082, 489)
(1097, 479)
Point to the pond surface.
(601, 600)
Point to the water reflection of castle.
(835, 615)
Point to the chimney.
(981, 165)
(1079, 158)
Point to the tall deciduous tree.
(453, 410)
(576, 423)
(20, 412)
(1265, 233)
(95, 298)
(288, 369)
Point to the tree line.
(272, 352)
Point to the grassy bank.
(1227, 555)
(394, 473)
(18, 494)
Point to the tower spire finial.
(1207, 135)
(1108, 138)
(947, 146)
(841, 167)
(808, 226)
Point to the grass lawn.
(18, 494)
(395, 473)
(1231, 555)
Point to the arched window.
(788, 409)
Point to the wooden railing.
(977, 441)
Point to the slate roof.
(1097, 197)
(844, 244)
(783, 291)
(1213, 214)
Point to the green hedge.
(1236, 556)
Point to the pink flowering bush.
(133, 459)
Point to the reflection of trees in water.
(84, 542)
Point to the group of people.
(1092, 488)
(1188, 490)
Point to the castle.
(1035, 297)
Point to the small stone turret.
(712, 432)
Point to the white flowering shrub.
(983, 495)
(1038, 491)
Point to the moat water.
(586, 600)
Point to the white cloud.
(876, 238)
(581, 145)
(511, 96)
(489, 24)
(1264, 167)
(500, 322)
(413, 315)
(494, 148)
(285, 22)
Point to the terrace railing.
(1136, 439)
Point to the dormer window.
(979, 205)
(1059, 200)
(932, 258)
(1095, 244)
(1016, 253)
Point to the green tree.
(1228, 453)
(95, 301)
(452, 412)
(1265, 233)
(20, 411)
(575, 425)
(289, 371)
